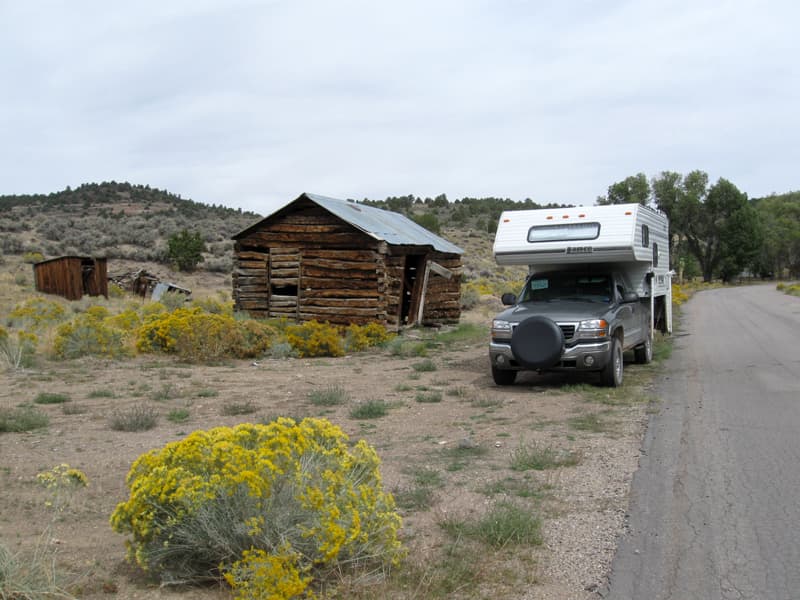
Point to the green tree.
(186, 249)
(717, 224)
(780, 253)
(631, 190)
(428, 221)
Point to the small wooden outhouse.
(72, 276)
(324, 259)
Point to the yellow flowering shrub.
(678, 295)
(273, 507)
(256, 338)
(32, 257)
(61, 481)
(361, 337)
(90, 333)
(38, 313)
(200, 336)
(127, 320)
(313, 338)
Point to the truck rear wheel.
(503, 376)
(611, 375)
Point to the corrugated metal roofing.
(384, 225)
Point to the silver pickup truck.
(571, 320)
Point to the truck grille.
(568, 329)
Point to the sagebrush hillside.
(118, 221)
(132, 223)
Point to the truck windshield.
(548, 287)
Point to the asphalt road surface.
(715, 504)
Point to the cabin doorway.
(413, 280)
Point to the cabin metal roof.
(384, 225)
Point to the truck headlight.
(501, 328)
(593, 328)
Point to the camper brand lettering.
(579, 249)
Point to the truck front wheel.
(611, 375)
(503, 376)
(644, 353)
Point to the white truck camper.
(598, 284)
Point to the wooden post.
(424, 290)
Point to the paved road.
(715, 510)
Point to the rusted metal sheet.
(72, 276)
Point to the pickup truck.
(571, 320)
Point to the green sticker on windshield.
(540, 284)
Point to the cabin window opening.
(645, 236)
(564, 232)
(655, 254)
(283, 290)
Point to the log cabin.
(343, 262)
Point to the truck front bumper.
(584, 357)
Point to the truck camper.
(598, 284)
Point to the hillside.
(115, 220)
(130, 224)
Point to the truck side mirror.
(630, 297)
(508, 299)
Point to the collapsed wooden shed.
(324, 259)
(72, 276)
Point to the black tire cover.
(537, 343)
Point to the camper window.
(564, 232)
(645, 236)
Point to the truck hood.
(556, 310)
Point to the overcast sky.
(248, 104)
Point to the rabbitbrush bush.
(313, 338)
(361, 337)
(38, 313)
(270, 507)
(196, 335)
(91, 333)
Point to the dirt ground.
(583, 508)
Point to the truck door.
(630, 314)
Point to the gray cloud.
(250, 103)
